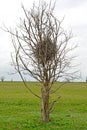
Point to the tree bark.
(45, 106)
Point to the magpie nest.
(45, 51)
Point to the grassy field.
(20, 110)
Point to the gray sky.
(75, 12)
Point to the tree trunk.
(45, 106)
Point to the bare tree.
(42, 51)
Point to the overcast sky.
(75, 13)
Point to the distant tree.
(86, 79)
(2, 78)
(42, 51)
(67, 80)
(11, 80)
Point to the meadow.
(20, 110)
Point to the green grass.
(20, 110)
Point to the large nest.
(45, 51)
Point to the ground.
(20, 110)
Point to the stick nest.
(45, 51)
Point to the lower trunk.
(45, 106)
